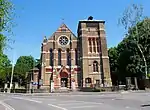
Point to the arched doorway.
(64, 79)
(88, 82)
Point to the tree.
(5, 69)
(2, 42)
(130, 55)
(23, 65)
(6, 15)
(6, 23)
(113, 60)
(132, 16)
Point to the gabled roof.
(63, 28)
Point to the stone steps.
(62, 90)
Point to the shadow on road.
(145, 105)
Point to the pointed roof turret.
(45, 39)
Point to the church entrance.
(64, 79)
(64, 82)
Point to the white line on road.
(27, 99)
(72, 103)
(75, 102)
(84, 107)
(88, 102)
(57, 107)
(40, 102)
(127, 107)
(7, 107)
(44, 99)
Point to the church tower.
(93, 54)
(74, 62)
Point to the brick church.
(82, 59)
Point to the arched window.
(59, 56)
(68, 57)
(95, 66)
(76, 57)
(98, 45)
(94, 45)
(90, 45)
(51, 57)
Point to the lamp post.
(12, 73)
(31, 83)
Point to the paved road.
(117, 101)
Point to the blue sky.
(38, 18)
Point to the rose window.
(63, 40)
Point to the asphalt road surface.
(96, 101)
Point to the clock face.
(63, 40)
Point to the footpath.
(74, 93)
